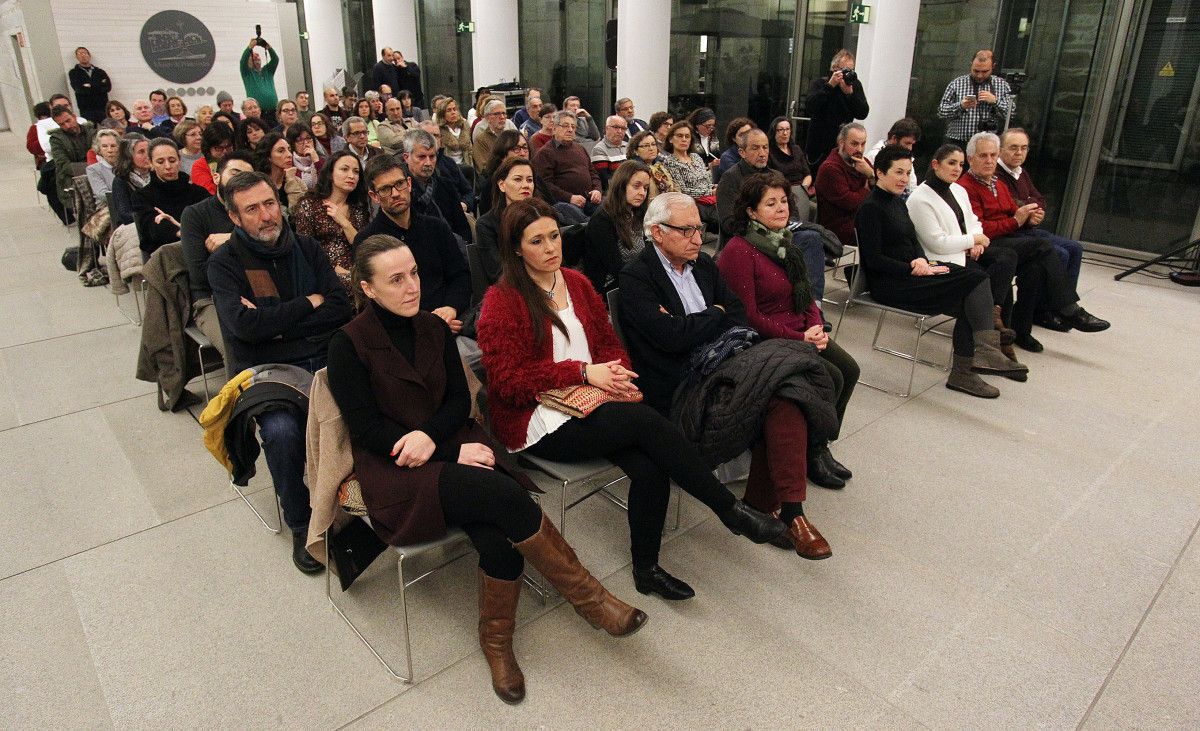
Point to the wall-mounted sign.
(860, 13)
(178, 47)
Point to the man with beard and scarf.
(278, 300)
(843, 182)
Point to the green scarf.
(781, 249)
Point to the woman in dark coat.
(614, 232)
(424, 464)
(898, 274)
(158, 206)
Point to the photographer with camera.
(976, 102)
(259, 79)
(833, 101)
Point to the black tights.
(652, 452)
(494, 511)
(974, 315)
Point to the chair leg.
(278, 527)
(404, 620)
(203, 372)
(404, 608)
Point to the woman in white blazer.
(949, 231)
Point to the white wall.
(643, 53)
(39, 57)
(494, 56)
(396, 27)
(112, 34)
(326, 43)
(884, 62)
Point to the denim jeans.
(282, 436)
(1068, 250)
(813, 246)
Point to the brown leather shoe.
(808, 541)
(497, 620)
(550, 554)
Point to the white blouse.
(572, 346)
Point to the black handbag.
(353, 549)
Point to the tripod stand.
(1187, 256)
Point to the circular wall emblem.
(178, 47)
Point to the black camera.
(849, 76)
(258, 34)
(987, 125)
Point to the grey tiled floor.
(1029, 561)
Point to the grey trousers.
(204, 314)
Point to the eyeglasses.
(648, 145)
(687, 231)
(522, 146)
(618, 126)
(387, 191)
(568, 125)
(358, 133)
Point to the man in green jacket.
(68, 144)
(259, 80)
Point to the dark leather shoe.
(743, 520)
(301, 557)
(820, 472)
(656, 580)
(784, 541)
(836, 467)
(808, 541)
(1084, 321)
(1028, 342)
(1052, 321)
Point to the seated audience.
(415, 437)
(767, 271)
(539, 139)
(609, 152)
(1040, 271)
(325, 136)
(475, 115)
(250, 132)
(514, 182)
(69, 145)
(377, 112)
(130, 174)
(526, 118)
(544, 327)
(333, 108)
(660, 125)
(305, 157)
(158, 106)
(445, 277)
(176, 113)
(41, 111)
(788, 158)
(188, 137)
(278, 301)
(215, 143)
(906, 133)
(588, 129)
(844, 182)
(304, 110)
(225, 104)
(287, 113)
(362, 110)
(204, 228)
(204, 115)
(252, 110)
(159, 204)
(411, 111)
(949, 231)
(450, 171)
(143, 119)
(689, 171)
(228, 119)
(1014, 148)
(624, 109)
(107, 145)
(511, 145)
(614, 232)
(898, 275)
(434, 194)
(484, 136)
(455, 133)
(335, 211)
(391, 131)
(118, 111)
(273, 158)
(645, 147)
(564, 166)
(356, 132)
(703, 122)
(730, 157)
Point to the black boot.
(820, 472)
(834, 466)
(658, 581)
(759, 527)
(301, 557)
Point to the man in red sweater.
(1040, 272)
(843, 182)
(566, 168)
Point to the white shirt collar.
(1015, 172)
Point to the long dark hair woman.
(335, 211)
(513, 181)
(250, 132)
(898, 274)
(509, 144)
(131, 173)
(614, 232)
(788, 158)
(766, 270)
(424, 464)
(544, 327)
(273, 157)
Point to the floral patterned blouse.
(310, 219)
(693, 179)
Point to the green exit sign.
(860, 13)
(464, 27)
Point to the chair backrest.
(614, 313)
(574, 238)
(858, 280)
(479, 282)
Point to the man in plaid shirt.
(973, 98)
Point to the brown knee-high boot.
(551, 555)
(497, 620)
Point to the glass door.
(358, 23)
(821, 29)
(1145, 193)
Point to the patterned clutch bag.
(579, 401)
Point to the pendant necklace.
(553, 286)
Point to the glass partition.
(562, 51)
(446, 56)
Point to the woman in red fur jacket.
(544, 327)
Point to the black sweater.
(830, 108)
(887, 240)
(286, 329)
(445, 276)
(169, 196)
(198, 222)
(370, 428)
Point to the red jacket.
(201, 174)
(995, 212)
(840, 190)
(35, 147)
(518, 370)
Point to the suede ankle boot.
(962, 378)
